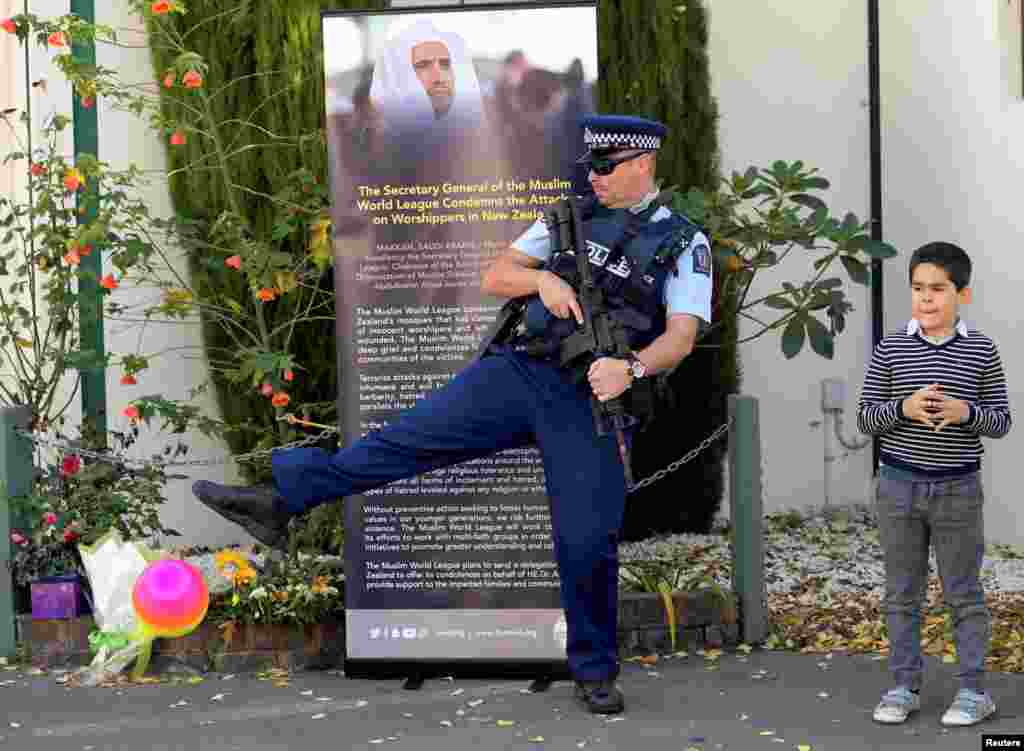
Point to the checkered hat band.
(621, 140)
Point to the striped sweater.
(968, 367)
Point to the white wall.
(792, 84)
(954, 159)
(124, 140)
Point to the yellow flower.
(234, 566)
(281, 595)
(320, 585)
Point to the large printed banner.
(449, 133)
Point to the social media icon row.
(398, 632)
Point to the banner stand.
(450, 131)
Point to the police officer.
(656, 266)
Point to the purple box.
(57, 597)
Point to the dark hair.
(949, 257)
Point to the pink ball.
(170, 598)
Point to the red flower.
(73, 179)
(57, 39)
(84, 250)
(289, 375)
(234, 262)
(71, 465)
(18, 539)
(108, 282)
(192, 80)
(9, 26)
(72, 258)
(161, 7)
(70, 535)
(169, 80)
(88, 102)
(131, 412)
(38, 170)
(177, 138)
(280, 399)
(266, 389)
(50, 518)
(267, 294)
(128, 380)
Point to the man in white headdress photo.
(424, 80)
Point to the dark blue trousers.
(503, 400)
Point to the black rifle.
(601, 334)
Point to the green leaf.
(879, 249)
(815, 182)
(812, 202)
(821, 340)
(793, 338)
(778, 303)
(830, 283)
(760, 190)
(858, 271)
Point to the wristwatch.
(636, 368)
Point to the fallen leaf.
(306, 693)
(745, 648)
(409, 715)
(195, 679)
(218, 697)
(360, 703)
(324, 698)
(318, 716)
(474, 703)
(447, 723)
(505, 723)
(536, 739)
(458, 692)
(803, 747)
(767, 732)
(375, 741)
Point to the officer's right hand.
(922, 405)
(558, 297)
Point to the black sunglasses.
(605, 165)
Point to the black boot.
(259, 510)
(600, 697)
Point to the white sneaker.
(969, 707)
(896, 705)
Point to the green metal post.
(746, 512)
(15, 480)
(90, 311)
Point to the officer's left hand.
(609, 377)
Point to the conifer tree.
(654, 63)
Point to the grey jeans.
(947, 514)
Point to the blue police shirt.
(689, 292)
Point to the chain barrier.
(690, 455)
(326, 431)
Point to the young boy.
(931, 391)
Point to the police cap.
(604, 134)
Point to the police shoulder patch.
(701, 259)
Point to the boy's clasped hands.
(931, 407)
